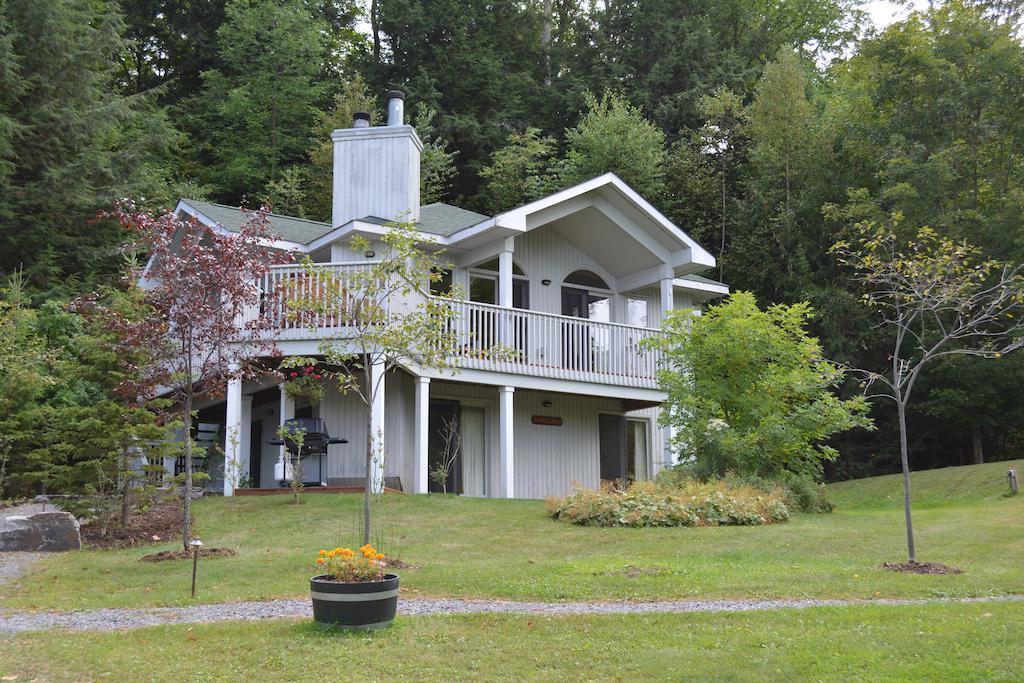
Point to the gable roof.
(436, 219)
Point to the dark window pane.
(585, 278)
(483, 290)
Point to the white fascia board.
(698, 254)
(534, 383)
(183, 207)
(696, 286)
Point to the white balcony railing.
(489, 337)
(548, 345)
(283, 284)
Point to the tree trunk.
(368, 483)
(905, 462)
(978, 445)
(375, 30)
(186, 498)
(545, 42)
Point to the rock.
(19, 533)
(43, 531)
(60, 531)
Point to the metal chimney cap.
(361, 119)
(395, 95)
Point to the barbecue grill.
(314, 443)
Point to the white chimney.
(377, 168)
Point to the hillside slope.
(968, 484)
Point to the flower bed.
(686, 503)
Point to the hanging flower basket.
(356, 592)
(304, 383)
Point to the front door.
(443, 445)
(613, 447)
(255, 452)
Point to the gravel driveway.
(13, 565)
(115, 619)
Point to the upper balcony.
(491, 338)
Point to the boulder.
(41, 532)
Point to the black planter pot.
(365, 606)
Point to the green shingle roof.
(286, 227)
(445, 219)
(436, 219)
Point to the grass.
(935, 642)
(971, 485)
(470, 547)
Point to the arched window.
(587, 279)
(492, 266)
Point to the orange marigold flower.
(380, 556)
(320, 560)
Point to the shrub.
(750, 391)
(801, 492)
(668, 502)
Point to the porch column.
(667, 296)
(420, 457)
(286, 412)
(377, 380)
(668, 433)
(506, 469)
(505, 276)
(233, 436)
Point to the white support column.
(286, 412)
(420, 453)
(378, 453)
(506, 449)
(668, 433)
(667, 296)
(505, 277)
(233, 436)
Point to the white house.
(586, 274)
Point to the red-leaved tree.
(206, 325)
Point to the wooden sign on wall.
(546, 420)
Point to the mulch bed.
(182, 554)
(921, 568)
(159, 524)
(398, 564)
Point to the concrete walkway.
(116, 619)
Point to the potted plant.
(304, 382)
(355, 591)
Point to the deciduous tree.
(206, 325)
(936, 298)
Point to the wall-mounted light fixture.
(370, 253)
(545, 282)
(547, 403)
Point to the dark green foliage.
(255, 114)
(69, 143)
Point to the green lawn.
(938, 642)
(510, 549)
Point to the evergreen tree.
(256, 114)
(519, 171)
(69, 143)
(614, 136)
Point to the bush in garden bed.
(680, 503)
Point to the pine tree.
(257, 113)
(69, 143)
